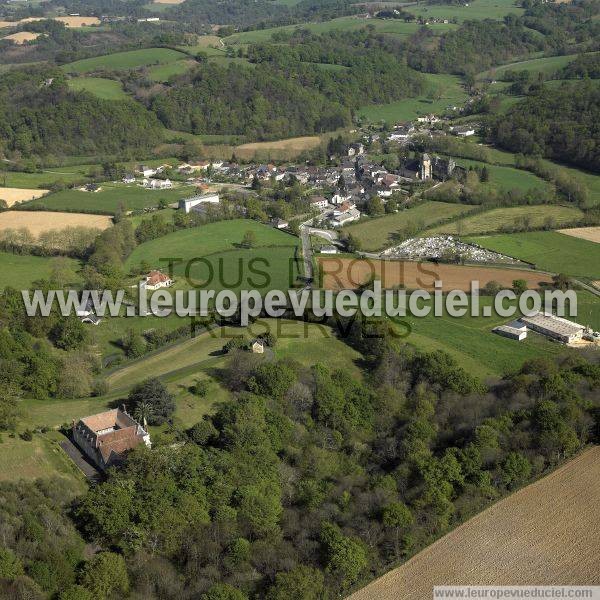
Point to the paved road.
(307, 253)
(82, 462)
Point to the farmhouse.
(187, 204)
(107, 437)
(554, 327)
(157, 279)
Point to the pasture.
(111, 195)
(211, 238)
(13, 196)
(305, 342)
(471, 11)
(40, 458)
(509, 178)
(501, 219)
(107, 89)
(546, 65)
(469, 339)
(544, 534)
(548, 250)
(290, 147)
(443, 91)
(39, 221)
(20, 271)
(163, 73)
(351, 273)
(380, 232)
(125, 60)
(46, 177)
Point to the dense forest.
(286, 94)
(309, 483)
(561, 123)
(40, 116)
(474, 47)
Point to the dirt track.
(347, 273)
(545, 534)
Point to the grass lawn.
(43, 179)
(443, 91)
(307, 343)
(164, 72)
(125, 60)
(379, 232)
(40, 458)
(508, 178)
(499, 218)
(207, 239)
(108, 89)
(474, 10)
(110, 196)
(549, 250)
(20, 271)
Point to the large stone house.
(107, 437)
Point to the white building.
(186, 204)
(156, 280)
(157, 184)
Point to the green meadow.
(474, 10)
(107, 89)
(498, 219)
(20, 271)
(125, 60)
(111, 195)
(443, 91)
(548, 250)
(379, 232)
(485, 354)
(508, 178)
(546, 65)
(164, 72)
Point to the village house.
(343, 217)
(157, 279)
(318, 202)
(328, 250)
(463, 130)
(280, 223)
(107, 437)
(145, 171)
(128, 178)
(157, 184)
(187, 204)
(257, 347)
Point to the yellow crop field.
(14, 195)
(40, 221)
(545, 534)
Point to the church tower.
(426, 167)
